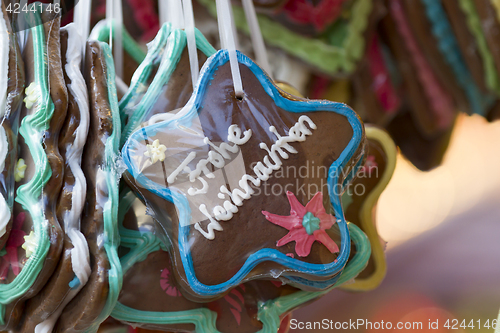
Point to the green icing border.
(176, 43)
(129, 44)
(270, 312)
(328, 58)
(143, 72)
(474, 24)
(29, 194)
(110, 209)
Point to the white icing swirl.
(5, 213)
(4, 64)
(80, 258)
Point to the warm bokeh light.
(416, 201)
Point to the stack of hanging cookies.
(178, 200)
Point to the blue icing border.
(448, 46)
(206, 75)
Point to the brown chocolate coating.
(423, 116)
(369, 181)
(58, 95)
(421, 27)
(466, 41)
(48, 300)
(215, 261)
(491, 28)
(85, 308)
(145, 289)
(368, 103)
(179, 88)
(422, 152)
(15, 88)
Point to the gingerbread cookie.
(133, 54)
(35, 243)
(150, 290)
(150, 297)
(428, 45)
(473, 22)
(11, 95)
(378, 100)
(422, 152)
(172, 86)
(143, 75)
(478, 101)
(95, 301)
(433, 108)
(360, 200)
(311, 18)
(218, 214)
(337, 54)
(74, 268)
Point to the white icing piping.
(4, 65)
(5, 213)
(279, 150)
(80, 258)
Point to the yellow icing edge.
(365, 214)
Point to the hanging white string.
(233, 26)
(176, 17)
(191, 40)
(228, 42)
(259, 47)
(81, 18)
(118, 51)
(163, 11)
(114, 14)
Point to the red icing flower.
(306, 224)
(16, 239)
(167, 285)
(369, 165)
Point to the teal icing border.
(29, 195)
(110, 209)
(176, 43)
(448, 46)
(102, 32)
(143, 72)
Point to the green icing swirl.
(143, 72)
(110, 208)
(474, 24)
(176, 43)
(29, 195)
(326, 57)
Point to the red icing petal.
(293, 235)
(326, 220)
(303, 246)
(296, 208)
(233, 303)
(322, 237)
(287, 222)
(239, 295)
(236, 315)
(315, 206)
